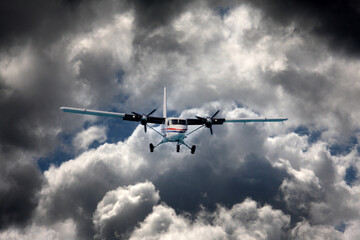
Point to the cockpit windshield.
(178, 121)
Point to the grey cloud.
(42, 22)
(310, 86)
(19, 183)
(37, 77)
(233, 169)
(336, 22)
(121, 209)
(184, 181)
(157, 13)
(243, 220)
(79, 200)
(303, 230)
(208, 182)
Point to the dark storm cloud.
(201, 184)
(150, 15)
(36, 81)
(335, 21)
(43, 22)
(19, 183)
(157, 13)
(26, 128)
(309, 86)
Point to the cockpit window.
(178, 121)
(182, 122)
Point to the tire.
(177, 147)
(193, 148)
(151, 147)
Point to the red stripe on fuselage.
(176, 129)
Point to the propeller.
(144, 118)
(208, 121)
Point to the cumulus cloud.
(40, 70)
(121, 209)
(19, 183)
(248, 59)
(57, 231)
(243, 221)
(304, 231)
(83, 139)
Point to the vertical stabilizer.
(164, 108)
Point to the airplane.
(173, 129)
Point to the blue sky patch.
(351, 175)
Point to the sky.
(66, 176)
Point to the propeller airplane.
(173, 129)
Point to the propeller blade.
(211, 131)
(215, 113)
(151, 112)
(201, 118)
(145, 128)
(136, 114)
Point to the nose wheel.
(151, 147)
(177, 147)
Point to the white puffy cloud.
(121, 209)
(304, 231)
(243, 221)
(57, 231)
(316, 189)
(83, 139)
(352, 230)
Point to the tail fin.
(164, 108)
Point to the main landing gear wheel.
(193, 148)
(177, 147)
(151, 147)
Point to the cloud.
(244, 220)
(40, 70)
(83, 139)
(250, 60)
(78, 185)
(121, 209)
(60, 230)
(304, 231)
(316, 17)
(94, 188)
(19, 183)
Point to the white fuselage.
(174, 129)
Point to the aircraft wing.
(219, 121)
(245, 120)
(124, 116)
(197, 121)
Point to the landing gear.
(193, 148)
(151, 147)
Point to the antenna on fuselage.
(164, 107)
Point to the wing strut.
(195, 130)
